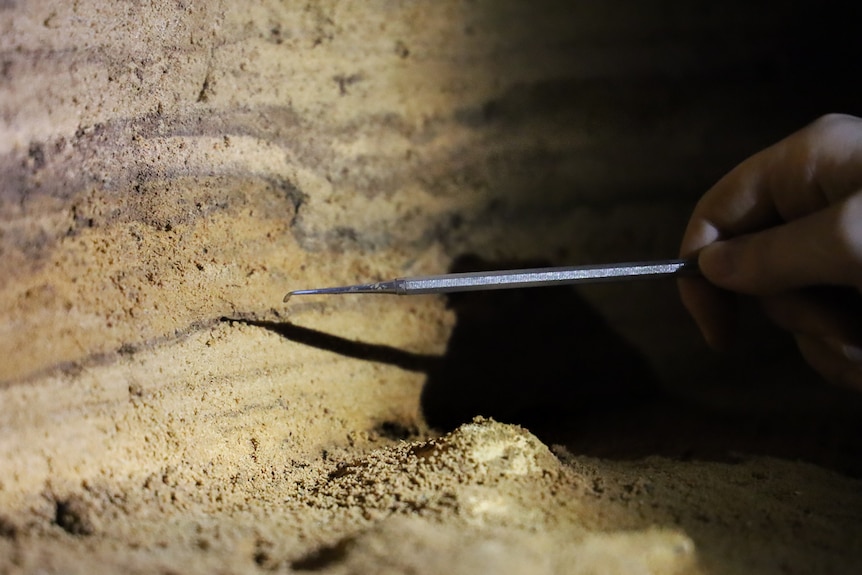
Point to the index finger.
(817, 166)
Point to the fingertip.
(699, 233)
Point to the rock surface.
(171, 169)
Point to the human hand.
(786, 226)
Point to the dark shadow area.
(347, 347)
(680, 430)
(530, 356)
(544, 359)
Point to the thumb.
(823, 248)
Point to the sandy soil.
(171, 169)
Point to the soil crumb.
(73, 516)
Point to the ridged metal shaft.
(509, 279)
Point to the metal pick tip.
(296, 292)
(310, 292)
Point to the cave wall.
(169, 163)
